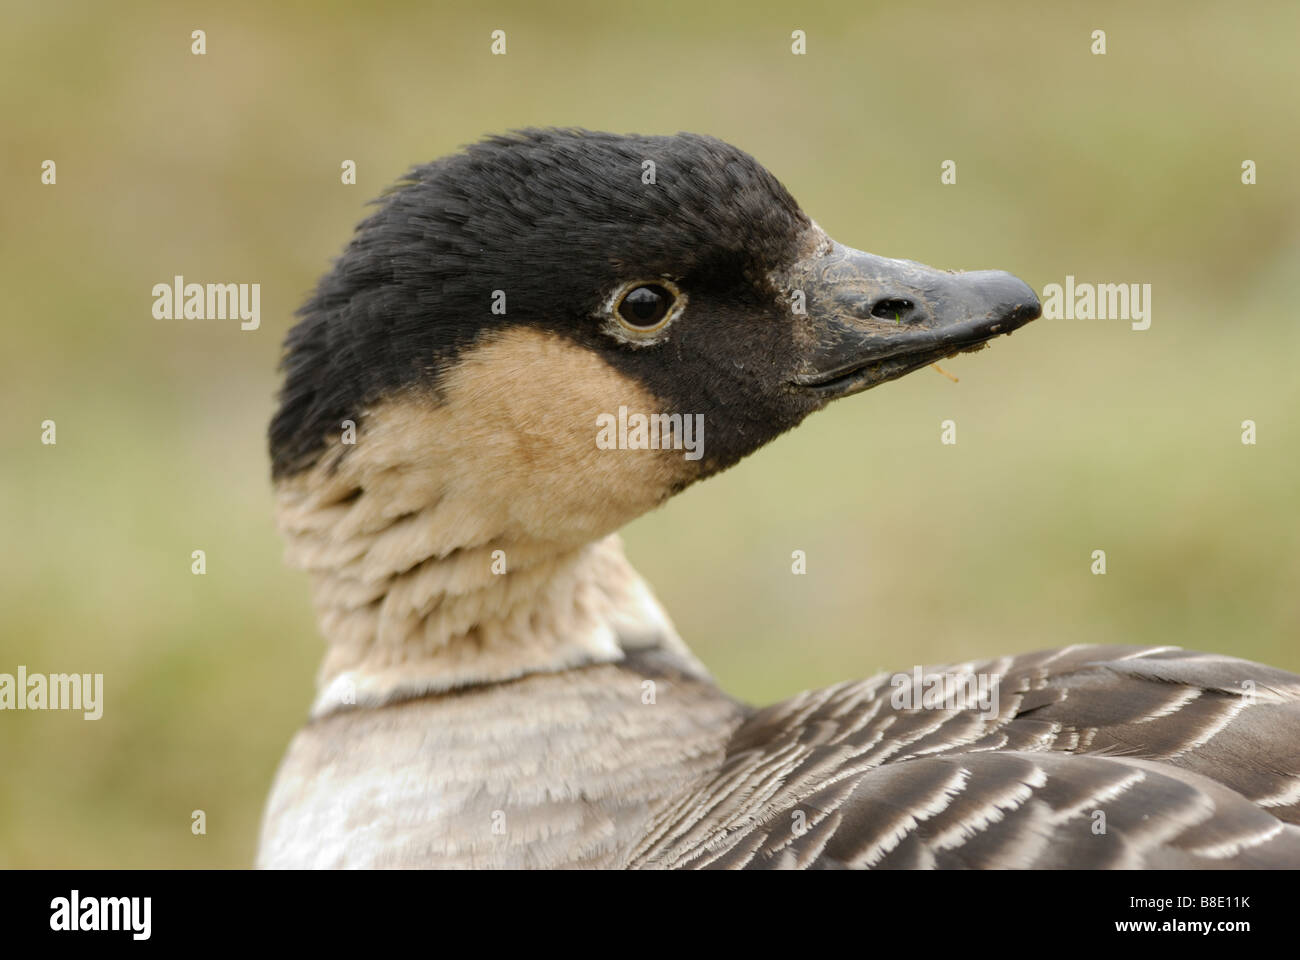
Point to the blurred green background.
(1073, 435)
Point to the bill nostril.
(892, 308)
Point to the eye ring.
(645, 307)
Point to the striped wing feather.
(1096, 757)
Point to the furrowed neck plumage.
(467, 538)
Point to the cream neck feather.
(485, 560)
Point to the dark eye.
(645, 306)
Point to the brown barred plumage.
(1190, 766)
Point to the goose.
(501, 689)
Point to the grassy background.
(1073, 435)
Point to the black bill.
(872, 319)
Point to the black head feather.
(556, 219)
